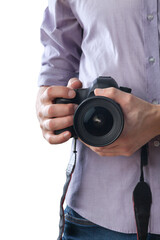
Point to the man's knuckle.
(49, 92)
(50, 110)
(112, 90)
(68, 120)
(129, 98)
(51, 124)
(70, 108)
(48, 124)
(39, 113)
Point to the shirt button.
(150, 17)
(151, 60)
(156, 143)
(155, 101)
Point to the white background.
(32, 172)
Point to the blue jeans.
(78, 228)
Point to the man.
(84, 40)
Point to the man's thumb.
(74, 83)
(113, 93)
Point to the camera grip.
(70, 129)
(63, 100)
(80, 96)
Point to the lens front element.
(98, 121)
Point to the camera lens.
(98, 121)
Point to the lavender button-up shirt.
(118, 38)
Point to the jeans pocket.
(72, 217)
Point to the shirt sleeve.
(61, 35)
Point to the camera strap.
(69, 172)
(142, 199)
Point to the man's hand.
(142, 123)
(56, 116)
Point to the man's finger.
(57, 139)
(74, 83)
(113, 93)
(57, 92)
(57, 123)
(58, 110)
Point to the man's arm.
(61, 35)
(142, 123)
(56, 116)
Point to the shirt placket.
(151, 44)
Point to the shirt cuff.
(56, 77)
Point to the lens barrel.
(98, 121)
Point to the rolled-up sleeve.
(61, 35)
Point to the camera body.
(98, 121)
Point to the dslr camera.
(98, 121)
